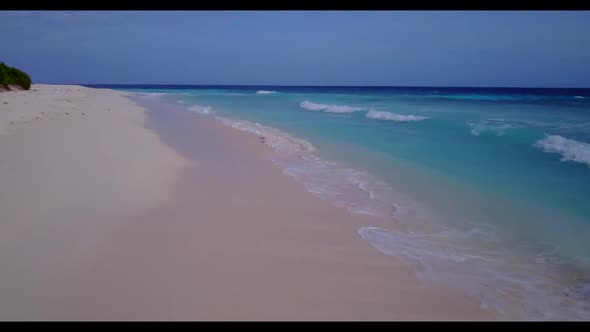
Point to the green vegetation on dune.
(13, 76)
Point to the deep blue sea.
(487, 190)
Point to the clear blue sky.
(422, 48)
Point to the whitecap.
(380, 115)
(569, 149)
(265, 92)
(311, 106)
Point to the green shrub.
(13, 76)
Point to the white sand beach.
(102, 218)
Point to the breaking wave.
(265, 92)
(569, 149)
(308, 105)
(380, 115)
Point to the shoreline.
(183, 129)
(528, 283)
(234, 239)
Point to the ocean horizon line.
(321, 86)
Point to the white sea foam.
(311, 106)
(569, 149)
(579, 97)
(497, 127)
(381, 115)
(521, 289)
(282, 143)
(201, 109)
(151, 94)
(180, 101)
(265, 92)
(345, 187)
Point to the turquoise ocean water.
(487, 191)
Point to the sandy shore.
(105, 219)
(75, 165)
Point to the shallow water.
(486, 189)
